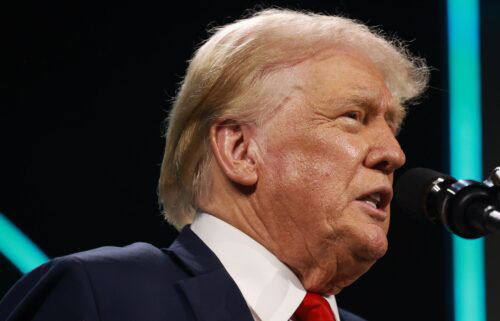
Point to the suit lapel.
(214, 297)
(211, 292)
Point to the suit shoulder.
(139, 278)
(90, 285)
(59, 288)
(142, 260)
(134, 253)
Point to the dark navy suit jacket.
(140, 282)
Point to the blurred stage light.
(466, 149)
(18, 248)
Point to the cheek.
(310, 176)
(304, 175)
(318, 162)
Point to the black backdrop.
(84, 91)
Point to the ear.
(231, 144)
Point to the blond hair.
(223, 77)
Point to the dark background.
(490, 33)
(84, 91)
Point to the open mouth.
(377, 199)
(372, 200)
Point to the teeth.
(371, 203)
(373, 200)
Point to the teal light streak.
(466, 149)
(18, 248)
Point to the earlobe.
(231, 144)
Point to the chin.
(373, 252)
(375, 245)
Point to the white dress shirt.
(270, 288)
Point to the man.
(280, 153)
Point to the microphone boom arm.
(467, 208)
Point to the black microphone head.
(411, 190)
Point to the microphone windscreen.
(411, 189)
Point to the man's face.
(326, 168)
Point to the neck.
(239, 209)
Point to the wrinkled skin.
(330, 143)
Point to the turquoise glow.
(18, 248)
(466, 149)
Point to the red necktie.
(314, 308)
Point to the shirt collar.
(270, 288)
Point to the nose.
(385, 153)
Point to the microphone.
(467, 208)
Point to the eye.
(354, 115)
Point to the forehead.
(342, 71)
(331, 78)
(342, 75)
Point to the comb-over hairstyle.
(225, 80)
